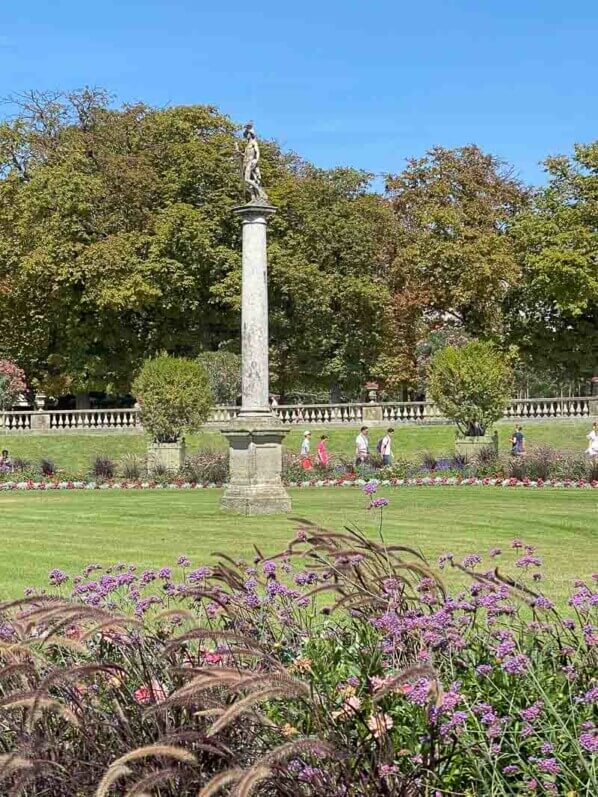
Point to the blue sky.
(361, 82)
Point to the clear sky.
(359, 82)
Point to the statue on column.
(252, 176)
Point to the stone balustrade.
(386, 413)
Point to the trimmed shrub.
(174, 395)
(471, 385)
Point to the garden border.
(437, 481)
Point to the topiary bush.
(471, 385)
(175, 397)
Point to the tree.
(174, 395)
(471, 385)
(224, 374)
(554, 311)
(328, 264)
(12, 384)
(454, 259)
(118, 241)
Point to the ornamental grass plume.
(339, 665)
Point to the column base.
(255, 452)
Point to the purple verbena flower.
(516, 665)
(57, 577)
(529, 561)
(378, 503)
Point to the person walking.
(362, 446)
(6, 465)
(322, 453)
(517, 442)
(305, 449)
(592, 449)
(385, 448)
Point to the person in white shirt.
(305, 448)
(362, 446)
(592, 449)
(386, 447)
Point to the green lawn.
(70, 529)
(74, 452)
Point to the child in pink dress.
(323, 457)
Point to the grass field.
(68, 530)
(74, 452)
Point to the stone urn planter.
(168, 457)
(471, 446)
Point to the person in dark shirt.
(517, 444)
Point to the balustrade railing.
(84, 420)
(401, 412)
(15, 421)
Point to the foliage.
(118, 241)
(471, 385)
(132, 466)
(207, 465)
(47, 467)
(103, 467)
(553, 313)
(224, 372)
(453, 256)
(174, 395)
(340, 665)
(12, 383)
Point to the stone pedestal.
(168, 457)
(40, 421)
(372, 413)
(255, 486)
(255, 436)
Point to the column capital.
(254, 212)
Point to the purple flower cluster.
(57, 577)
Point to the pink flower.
(379, 724)
(154, 693)
(212, 658)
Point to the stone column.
(255, 436)
(254, 311)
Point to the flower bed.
(340, 665)
(177, 484)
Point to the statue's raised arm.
(251, 167)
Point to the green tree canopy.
(117, 241)
(471, 385)
(454, 259)
(553, 312)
